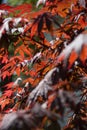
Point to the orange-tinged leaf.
(16, 59)
(38, 67)
(30, 80)
(51, 99)
(63, 6)
(46, 43)
(47, 69)
(9, 65)
(5, 59)
(41, 66)
(8, 93)
(5, 74)
(73, 56)
(9, 85)
(5, 102)
(18, 70)
(66, 36)
(27, 51)
(32, 73)
(21, 53)
(82, 22)
(83, 55)
(36, 81)
(34, 29)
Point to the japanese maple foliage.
(43, 66)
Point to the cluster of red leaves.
(49, 61)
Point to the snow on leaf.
(3, 12)
(36, 57)
(82, 3)
(20, 30)
(7, 19)
(17, 82)
(40, 2)
(2, 29)
(16, 21)
(75, 46)
(10, 25)
(44, 85)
